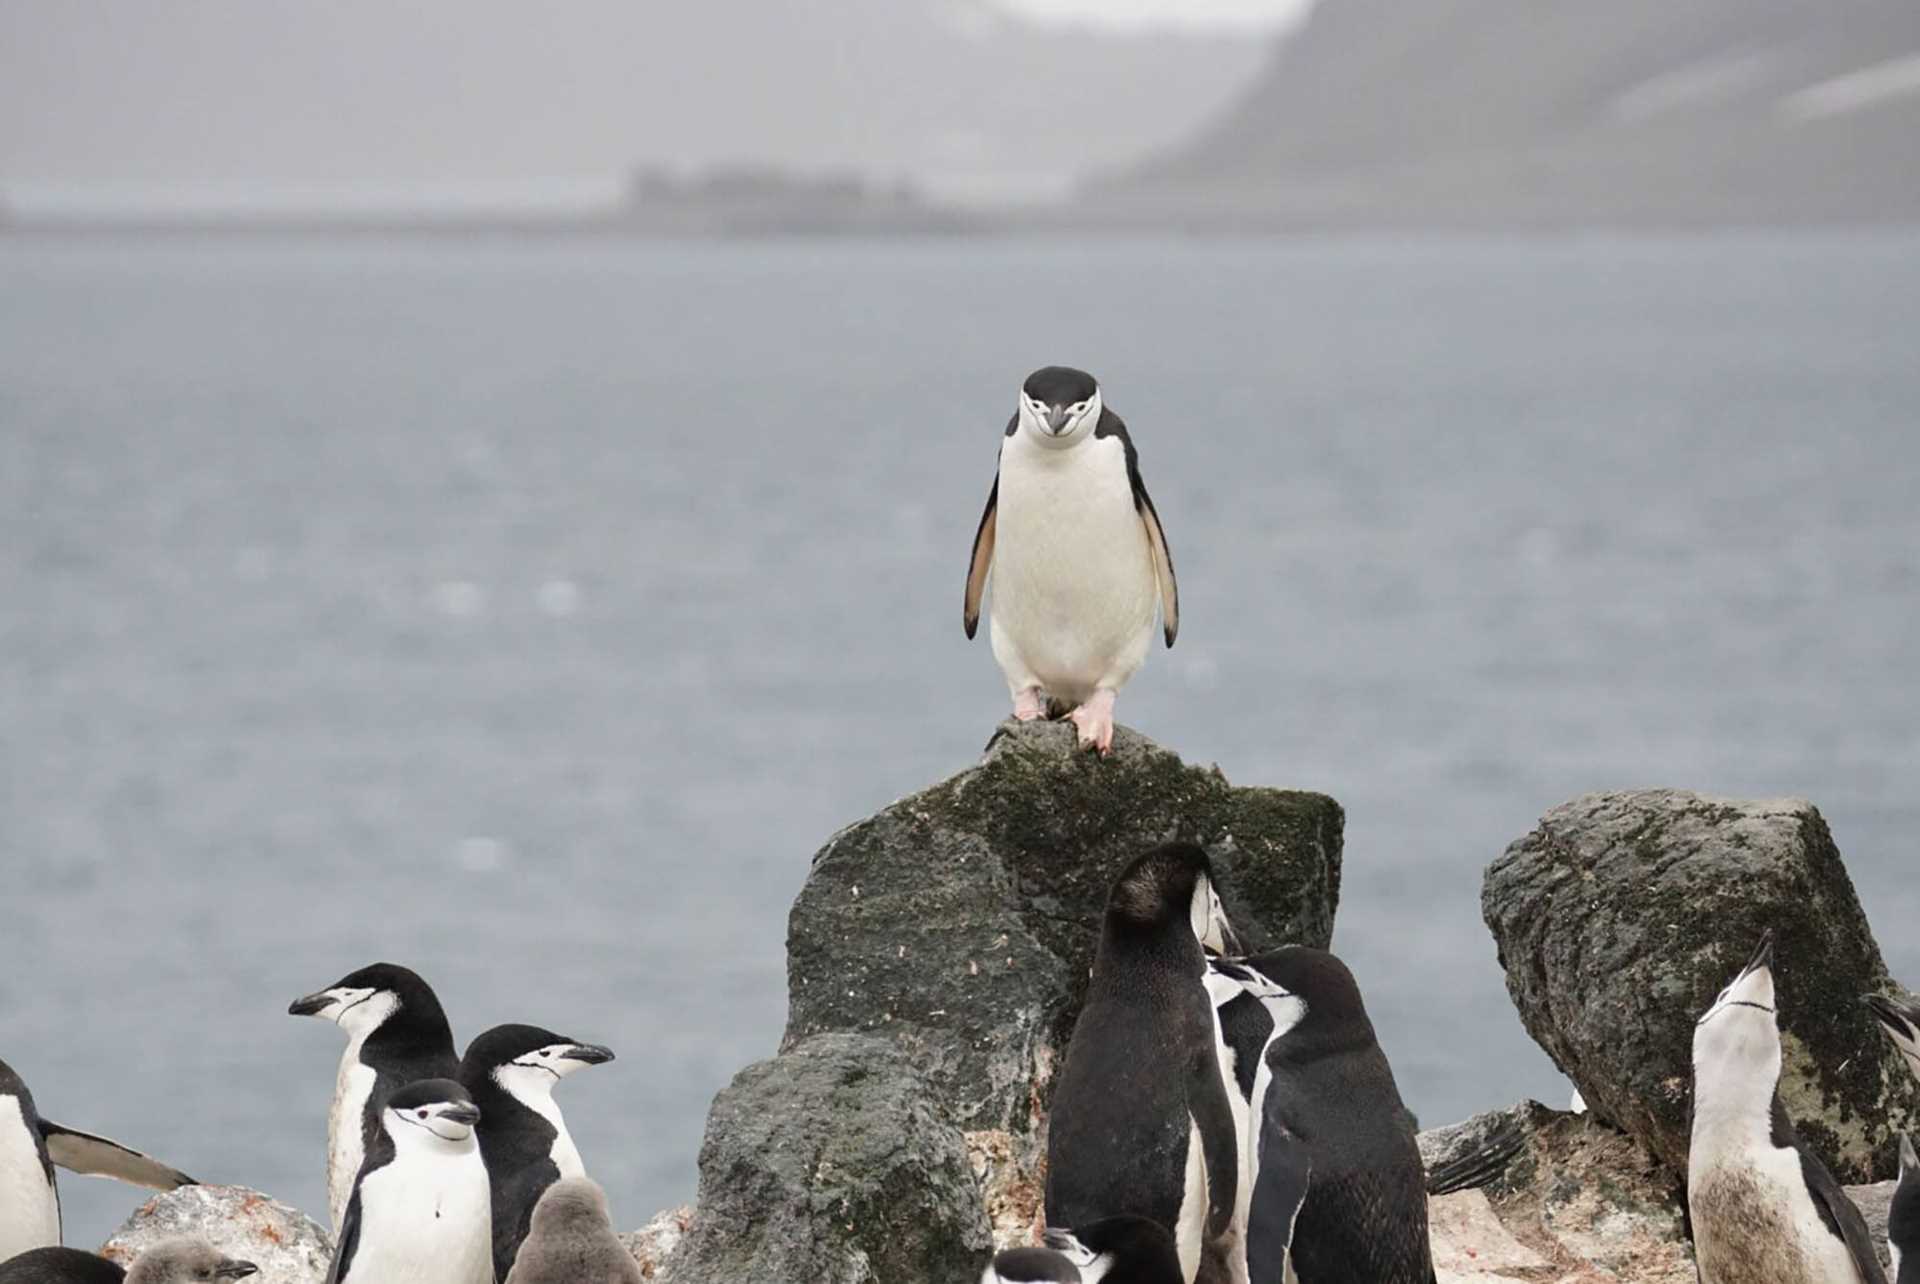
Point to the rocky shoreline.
(938, 953)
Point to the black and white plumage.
(1334, 1180)
(31, 1146)
(173, 1261)
(1762, 1204)
(1900, 1019)
(1903, 1218)
(420, 1211)
(397, 1032)
(1077, 555)
(511, 1072)
(572, 1240)
(1115, 1250)
(1141, 1123)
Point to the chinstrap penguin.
(1078, 557)
(1763, 1206)
(1142, 1125)
(173, 1261)
(1903, 1218)
(30, 1146)
(1901, 1022)
(1334, 1178)
(511, 1072)
(420, 1212)
(1115, 1250)
(572, 1240)
(396, 1033)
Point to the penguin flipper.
(1279, 1190)
(83, 1152)
(982, 559)
(1212, 1117)
(1162, 563)
(346, 1241)
(1841, 1216)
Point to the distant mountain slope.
(1501, 112)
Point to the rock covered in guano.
(832, 1163)
(288, 1246)
(959, 923)
(1621, 916)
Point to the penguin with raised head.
(1114, 1250)
(172, 1261)
(1336, 1184)
(572, 1240)
(511, 1072)
(1141, 1124)
(420, 1212)
(1078, 557)
(1900, 1019)
(30, 1147)
(396, 1033)
(1762, 1204)
(1903, 1218)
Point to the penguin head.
(528, 1061)
(1030, 1266)
(1173, 882)
(569, 1205)
(1140, 1247)
(1059, 406)
(361, 1002)
(1737, 1040)
(187, 1261)
(430, 1111)
(1901, 1023)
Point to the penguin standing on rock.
(30, 1147)
(396, 1033)
(572, 1240)
(420, 1212)
(1078, 557)
(1763, 1205)
(511, 1072)
(1141, 1124)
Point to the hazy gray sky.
(1243, 14)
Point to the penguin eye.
(422, 1113)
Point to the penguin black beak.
(234, 1269)
(462, 1112)
(591, 1053)
(1891, 1014)
(312, 1005)
(1762, 956)
(1056, 416)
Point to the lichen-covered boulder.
(288, 1246)
(833, 1163)
(655, 1242)
(960, 922)
(1623, 914)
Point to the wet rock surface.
(833, 1163)
(1622, 915)
(288, 1246)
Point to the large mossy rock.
(1623, 915)
(833, 1164)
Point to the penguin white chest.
(1073, 580)
(346, 1142)
(1755, 1223)
(29, 1208)
(565, 1155)
(427, 1222)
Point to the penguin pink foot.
(1028, 705)
(1094, 722)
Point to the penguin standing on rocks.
(1141, 1123)
(396, 1033)
(1901, 1021)
(511, 1072)
(1763, 1205)
(1336, 1187)
(1078, 557)
(420, 1212)
(1115, 1250)
(30, 1147)
(174, 1261)
(572, 1240)
(1903, 1218)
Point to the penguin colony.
(1220, 1118)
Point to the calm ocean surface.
(531, 613)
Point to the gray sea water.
(530, 613)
